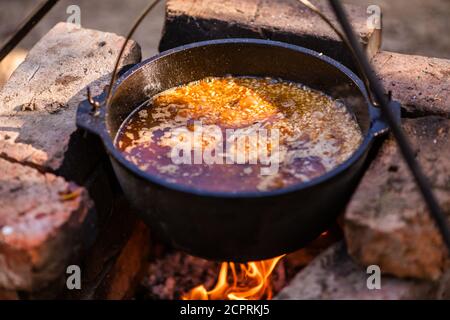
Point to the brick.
(41, 151)
(42, 217)
(38, 104)
(123, 276)
(421, 84)
(387, 222)
(334, 275)
(281, 20)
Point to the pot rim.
(108, 141)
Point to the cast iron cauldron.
(250, 225)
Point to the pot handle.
(379, 125)
(90, 111)
(90, 118)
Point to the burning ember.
(172, 274)
(249, 281)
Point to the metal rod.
(26, 26)
(122, 50)
(404, 145)
(316, 10)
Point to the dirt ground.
(410, 26)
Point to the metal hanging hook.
(95, 104)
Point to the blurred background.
(409, 26)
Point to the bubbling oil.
(239, 134)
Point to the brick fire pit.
(60, 203)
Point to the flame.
(250, 281)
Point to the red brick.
(190, 21)
(41, 221)
(387, 222)
(421, 84)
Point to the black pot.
(243, 226)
